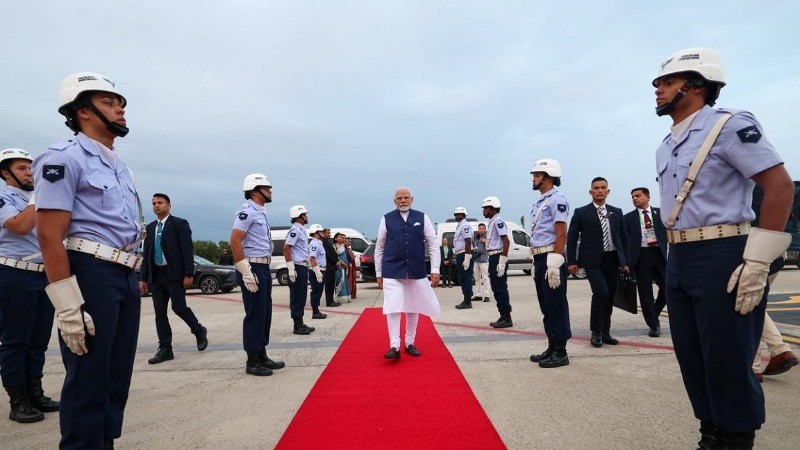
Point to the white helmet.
(315, 228)
(14, 153)
(70, 99)
(494, 202)
(549, 166)
(460, 210)
(297, 211)
(703, 61)
(255, 180)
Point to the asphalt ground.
(615, 397)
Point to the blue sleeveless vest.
(404, 254)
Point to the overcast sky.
(339, 103)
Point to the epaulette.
(63, 145)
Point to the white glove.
(317, 273)
(553, 274)
(71, 321)
(501, 266)
(249, 278)
(467, 259)
(292, 271)
(762, 247)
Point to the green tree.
(208, 250)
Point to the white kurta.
(408, 295)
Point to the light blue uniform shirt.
(463, 232)
(297, 238)
(12, 202)
(723, 191)
(496, 229)
(317, 251)
(75, 176)
(252, 219)
(551, 207)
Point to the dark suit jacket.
(585, 224)
(331, 257)
(451, 256)
(176, 242)
(634, 227)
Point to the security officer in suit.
(647, 256)
(716, 283)
(548, 239)
(316, 264)
(329, 274)
(167, 271)
(462, 246)
(497, 248)
(602, 253)
(251, 245)
(295, 252)
(26, 314)
(85, 193)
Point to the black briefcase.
(625, 297)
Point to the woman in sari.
(342, 288)
(353, 272)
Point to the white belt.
(264, 260)
(17, 264)
(494, 252)
(707, 233)
(539, 250)
(304, 264)
(104, 252)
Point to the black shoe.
(739, 441)
(36, 397)
(597, 339)
(21, 409)
(392, 354)
(555, 360)
(310, 329)
(201, 336)
(108, 444)
(163, 354)
(466, 304)
(332, 305)
(254, 366)
(411, 350)
(475, 299)
(710, 437)
(503, 322)
(268, 363)
(486, 299)
(607, 339)
(301, 329)
(544, 355)
(318, 315)
(655, 331)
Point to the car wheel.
(580, 273)
(283, 277)
(526, 271)
(209, 285)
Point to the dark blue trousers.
(650, 268)
(257, 309)
(317, 287)
(603, 281)
(26, 322)
(298, 292)
(96, 384)
(499, 285)
(552, 302)
(466, 275)
(165, 289)
(714, 344)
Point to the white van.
(519, 250)
(358, 243)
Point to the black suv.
(211, 278)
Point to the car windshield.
(202, 261)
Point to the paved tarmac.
(628, 396)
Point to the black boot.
(21, 409)
(739, 441)
(710, 437)
(545, 354)
(317, 315)
(36, 397)
(466, 304)
(503, 322)
(300, 327)
(254, 366)
(558, 358)
(268, 363)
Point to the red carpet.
(362, 400)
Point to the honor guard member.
(497, 248)
(295, 251)
(89, 222)
(316, 263)
(251, 245)
(462, 246)
(26, 314)
(548, 242)
(716, 282)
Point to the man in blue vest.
(403, 235)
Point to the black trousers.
(603, 281)
(651, 267)
(165, 289)
(329, 278)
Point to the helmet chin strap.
(266, 199)
(113, 127)
(669, 108)
(23, 186)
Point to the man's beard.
(404, 208)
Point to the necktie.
(648, 224)
(601, 211)
(158, 253)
